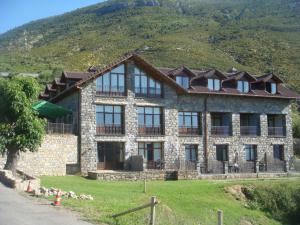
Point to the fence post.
(152, 211)
(145, 186)
(220, 217)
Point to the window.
(278, 152)
(109, 119)
(271, 87)
(152, 152)
(222, 152)
(183, 81)
(112, 83)
(250, 152)
(243, 86)
(276, 125)
(189, 123)
(214, 84)
(191, 152)
(149, 120)
(145, 85)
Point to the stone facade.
(52, 158)
(173, 143)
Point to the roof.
(49, 110)
(167, 75)
(76, 75)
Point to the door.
(110, 155)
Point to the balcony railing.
(148, 92)
(249, 130)
(276, 131)
(114, 91)
(155, 165)
(59, 128)
(221, 130)
(274, 165)
(109, 129)
(189, 130)
(154, 130)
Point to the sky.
(14, 13)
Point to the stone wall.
(173, 143)
(51, 158)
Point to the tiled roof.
(76, 75)
(167, 75)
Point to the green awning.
(49, 110)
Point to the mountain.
(258, 36)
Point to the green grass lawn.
(181, 202)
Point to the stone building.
(133, 116)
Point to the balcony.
(276, 131)
(249, 131)
(221, 130)
(59, 128)
(154, 130)
(109, 129)
(189, 131)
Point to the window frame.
(214, 82)
(120, 89)
(225, 157)
(114, 113)
(244, 84)
(139, 92)
(271, 87)
(280, 149)
(190, 148)
(191, 115)
(179, 81)
(253, 152)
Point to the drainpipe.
(205, 141)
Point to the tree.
(296, 124)
(21, 129)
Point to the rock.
(237, 192)
(72, 194)
(43, 190)
(85, 197)
(36, 192)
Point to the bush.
(282, 202)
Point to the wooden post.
(220, 217)
(145, 186)
(152, 211)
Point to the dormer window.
(183, 81)
(271, 87)
(243, 86)
(214, 84)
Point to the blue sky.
(14, 13)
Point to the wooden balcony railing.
(107, 91)
(249, 130)
(189, 130)
(221, 130)
(145, 130)
(109, 129)
(276, 131)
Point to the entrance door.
(110, 155)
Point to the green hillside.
(258, 36)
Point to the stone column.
(225, 167)
(256, 164)
(199, 167)
(286, 166)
